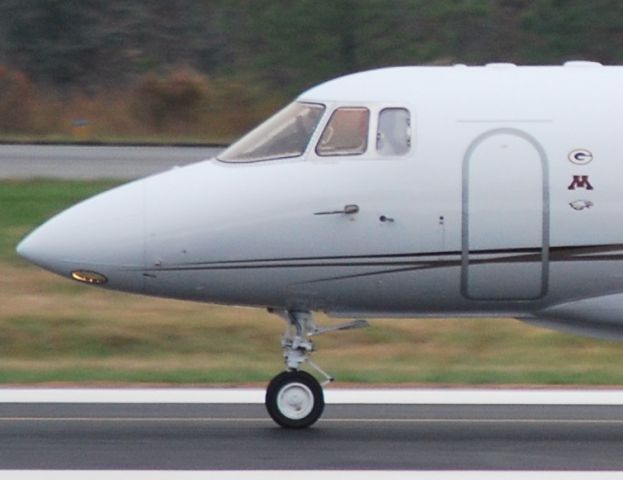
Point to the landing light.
(93, 278)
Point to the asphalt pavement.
(231, 437)
(95, 162)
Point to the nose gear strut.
(294, 398)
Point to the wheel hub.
(295, 401)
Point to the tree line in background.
(210, 69)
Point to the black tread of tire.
(275, 386)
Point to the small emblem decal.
(581, 157)
(581, 204)
(580, 181)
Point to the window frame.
(376, 132)
(371, 154)
(311, 141)
(334, 111)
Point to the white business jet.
(415, 191)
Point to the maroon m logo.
(580, 181)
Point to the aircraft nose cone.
(102, 236)
(30, 249)
(23, 249)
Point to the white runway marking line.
(304, 475)
(558, 421)
(450, 421)
(396, 396)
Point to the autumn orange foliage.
(176, 106)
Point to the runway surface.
(91, 162)
(239, 436)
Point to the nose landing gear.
(294, 398)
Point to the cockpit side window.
(393, 136)
(284, 135)
(346, 132)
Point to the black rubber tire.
(281, 381)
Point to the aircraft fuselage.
(503, 199)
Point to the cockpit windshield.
(284, 135)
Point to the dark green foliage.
(93, 43)
(574, 29)
(52, 39)
(290, 44)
